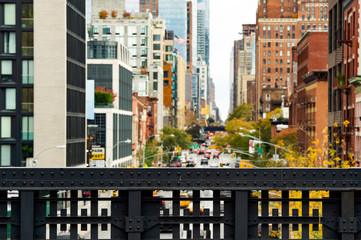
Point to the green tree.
(194, 131)
(181, 138)
(244, 111)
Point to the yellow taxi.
(184, 203)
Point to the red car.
(200, 151)
(174, 164)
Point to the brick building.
(350, 63)
(280, 24)
(308, 107)
(152, 7)
(272, 98)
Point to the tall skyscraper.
(42, 87)
(203, 14)
(174, 12)
(189, 36)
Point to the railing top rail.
(180, 178)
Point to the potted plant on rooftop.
(126, 14)
(103, 14)
(114, 13)
(104, 97)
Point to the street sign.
(259, 150)
(98, 153)
(251, 146)
(276, 157)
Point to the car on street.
(182, 159)
(201, 210)
(207, 156)
(184, 203)
(190, 164)
(204, 161)
(200, 151)
(215, 155)
(174, 164)
(214, 164)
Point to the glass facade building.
(16, 82)
(174, 12)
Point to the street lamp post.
(172, 135)
(35, 162)
(250, 136)
(145, 144)
(123, 141)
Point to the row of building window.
(7, 71)
(9, 43)
(280, 44)
(309, 1)
(314, 27)
(280, 61)
(280, 79)
(288, 28)
(269, 70)
(289, 36)
(120, 30)
(280, 53)
(8, 97)
(6, 129)
(9, 14)
(312, 17)
(313, 8)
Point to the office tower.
(174, 12)
(42, 83)
(203, 14)
(189, 36)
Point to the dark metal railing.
(150, 203)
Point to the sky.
(226, 21)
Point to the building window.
(9, 42)
(6, 71)
(27, 15)
(10, 98)
(9, 14)
(143, 30)
(5, 123)
(28, 128)
(155, 75)
(5, 155)
(268, 97)
(27, 46)
(106, 30)
(166, 83)
(169, 48)
(156, 37)
(155, 86)
(28, 72)
(156, 55)
(27, 100)
(156, 46)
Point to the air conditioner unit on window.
(31, 162)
